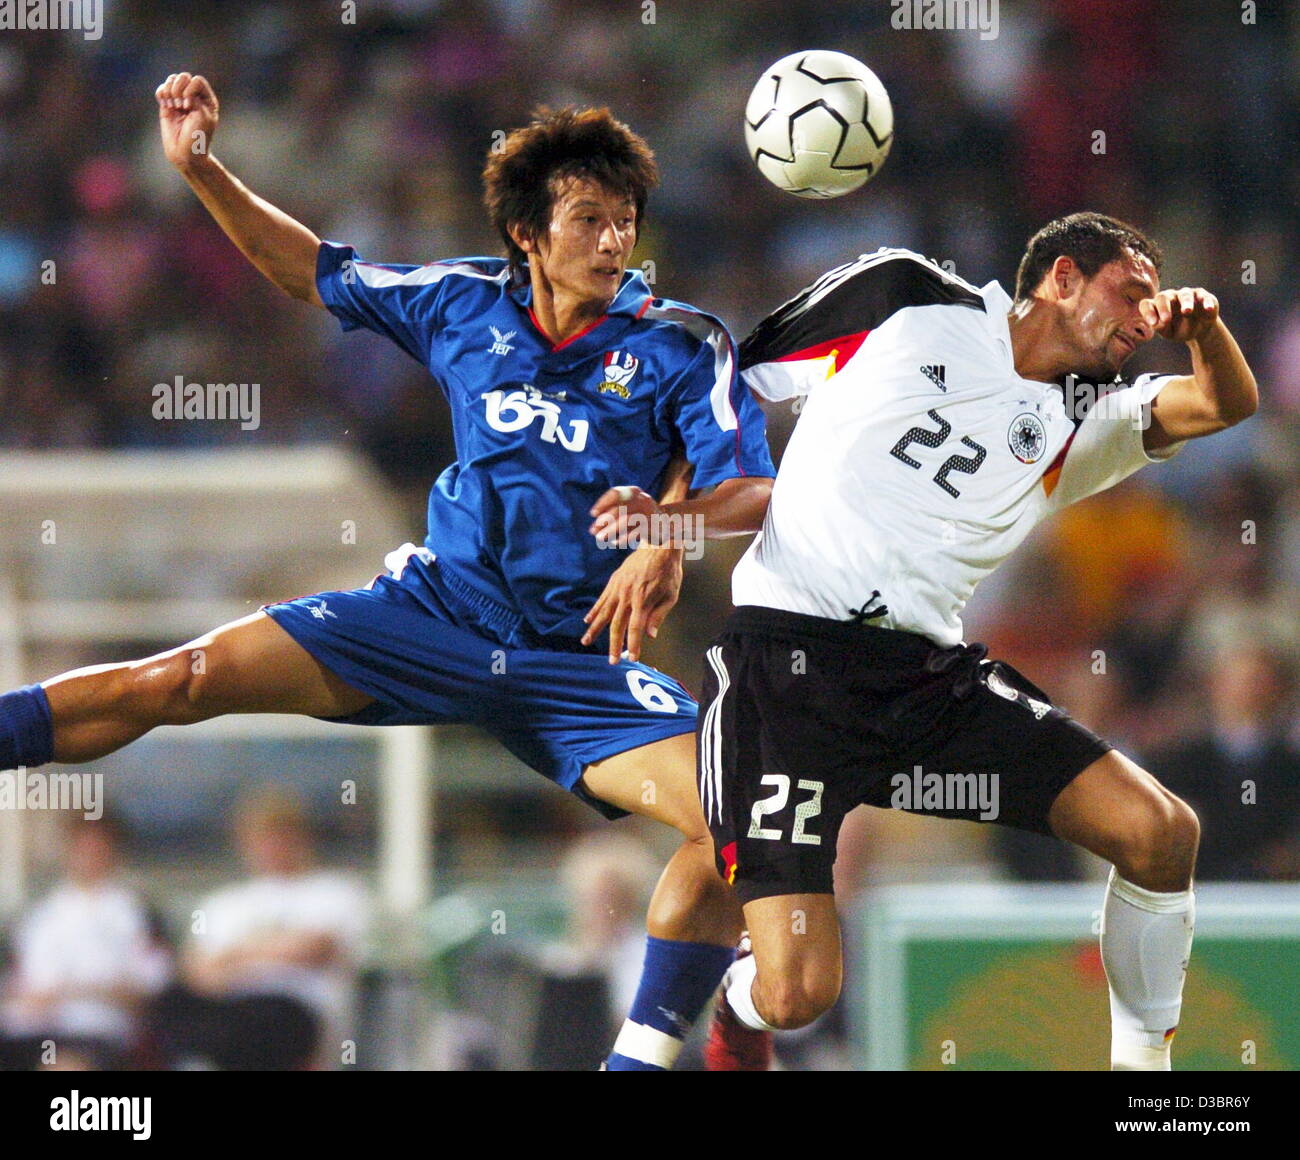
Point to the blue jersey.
(541, 431)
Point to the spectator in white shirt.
(86, 959)
(270, 971)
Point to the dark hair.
(1090, 239)
(519, 180)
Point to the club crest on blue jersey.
(618, 369)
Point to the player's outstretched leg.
(248, 666)
(1121, 813)
(694, 918)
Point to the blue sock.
(26, 728)
(676, 981)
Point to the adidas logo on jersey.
(935, 375)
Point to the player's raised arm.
(1219, 392)
(280, 247)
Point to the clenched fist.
(1185, 315)
(623, 517)
(187, 118)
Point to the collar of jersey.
(628, 305)
(997, 305)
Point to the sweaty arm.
(628, 516)
(284, 250)
(1220, 392)
(735, 507)
(723, 431)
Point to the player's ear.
(521, 238)
(1064, 276)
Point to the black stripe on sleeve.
(851, 299)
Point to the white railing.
(156, 548)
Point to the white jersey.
(920, 460)
(318, 901)
(79, 943)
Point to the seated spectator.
(86, 960)
(587, 982)
(1241, 773)
(557, 1006)
(607, 879)
(270, 972)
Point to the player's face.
(585, 250)
(1105, 325)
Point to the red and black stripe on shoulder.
(838, 310)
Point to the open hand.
(636, 600)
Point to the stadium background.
(1163, 613)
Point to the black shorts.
(802, 718)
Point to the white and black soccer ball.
(818, 124)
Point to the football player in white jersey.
(941, 423)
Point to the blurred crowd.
(1163, 614)
(112, 278)
(96, 974)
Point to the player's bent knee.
(789, 1005)
(693, 831)
(1164, 843)
(692, 895)
(1183, 831)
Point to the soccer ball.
(818, 124)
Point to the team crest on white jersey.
(618, 370)
(1027, 437)
(501, 341)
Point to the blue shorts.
(428, 656)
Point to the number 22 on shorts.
(803, 812)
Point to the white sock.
(740, 996)
(1146, 938)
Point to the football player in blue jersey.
(576, 395)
